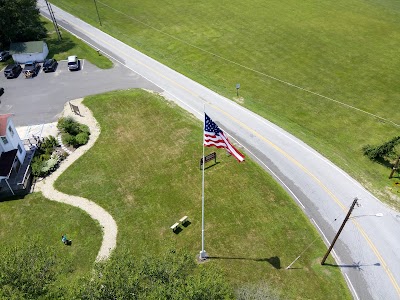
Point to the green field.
(344, 50)
(144, 171)
(37, 219)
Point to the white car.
(73, 63)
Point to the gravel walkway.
(106, 221)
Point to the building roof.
(3, 124)
(6, 162)
(26, 47)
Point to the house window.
(4, 140)
(19, 149)
(11, 131)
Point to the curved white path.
(106, 221)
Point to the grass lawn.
(144, 170)
(345, 50)
(43, 221)
(70, 45)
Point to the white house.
(12, 151)
(29, 51)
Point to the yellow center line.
(289, 157)
(341, 205)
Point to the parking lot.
(40, 99)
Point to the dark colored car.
(31, 69)
(1, 91)
(4, 55)
(50, 65)
(12, 71)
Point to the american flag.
(213, 136)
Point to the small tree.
(386, 151)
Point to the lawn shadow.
(384, 162)
(186, 224)
(11, 198)
(211, 166)
(56, 47)
(178, 230)
(273, 260)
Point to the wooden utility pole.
(340, 230)
(395, 167)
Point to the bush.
(68, 125)
(68, 139)
(82, 138)
(73, 133)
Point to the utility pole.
(95, 4)
(395, 167)
(340, 230)
(54, 20)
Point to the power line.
(253, 70)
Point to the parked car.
(73, 63)
(1, 91)
(50, 65)
(12, 71)
(31, 69)
(4, 55)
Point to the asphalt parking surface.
(40, 100)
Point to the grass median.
(344, 52)
(144, 170)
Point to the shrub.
(82, 138)
(73, 133)
(68, 139)
(68, 125)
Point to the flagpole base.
(203, 255)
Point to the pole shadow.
(273, 260)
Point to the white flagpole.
(203, 254)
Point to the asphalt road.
(368, 250)
(40, 99)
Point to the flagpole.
(203, 254)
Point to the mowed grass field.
(144, 170)
(37, 219)
(345, 51)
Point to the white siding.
(13, 141)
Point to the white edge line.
(321, 232)
(352, 287)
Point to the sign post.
(237, 89)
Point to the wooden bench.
(183, 220)
(175, 226)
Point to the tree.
(20, 22)
(384, 151)
(173, 275)
(28, 271)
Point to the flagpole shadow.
(273, 260)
